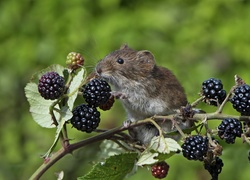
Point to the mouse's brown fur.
(149, 89)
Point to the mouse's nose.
(98, 70)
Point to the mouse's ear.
(145, 57)
(124, 46)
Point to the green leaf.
(74, 87)
(110, 148)
(164, 145)
(54, 67)
(114, 168)
(39, 107)
(160, 148)
(163, 157)
(147, 158)
(65, 115)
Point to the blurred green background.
(195, 39)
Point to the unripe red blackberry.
(97, 92)
(229, 129)
(51, 85)
(213, 91)
(108, 104)
(85, 118)
(160, 170)
(195, 147)
(241, 99)
(74, 60)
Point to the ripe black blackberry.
(213, 91)
(85, 118)
(214, 168)
(97, 92)
(195, 147)
(229, 129)
(51, 85)
(241, 99)
(74, 60)
(160, 170)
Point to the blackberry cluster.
(195, 147)
(97, 92)
(241, 99)
(229, 129)
(160, 170)
(213, 91)
(51, 85)
(85, 118)
(214, 168)
(74, 60)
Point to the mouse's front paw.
(118, 95)
(127, 123)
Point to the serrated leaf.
(114, 168)
(65, 115)
(147, 158)
(109, 148)
(164, 145)
(54, 67)
(39, 107)
(74, 87)
(163, 157)
(160, 148)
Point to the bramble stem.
(109, 133)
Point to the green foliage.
(195, 39)
(39, 107)
(160, 148)
(114, 168)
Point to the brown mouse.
(145, 89)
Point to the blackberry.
(195, 147)
(108, 104)
(229, 129)
(51, 85)
(85, 118)
(97, 92)
(160, 170)
(74, 60)
(214, 168)
(213, 91)
(241, 99)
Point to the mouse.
(144, 88)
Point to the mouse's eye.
(120, 60)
